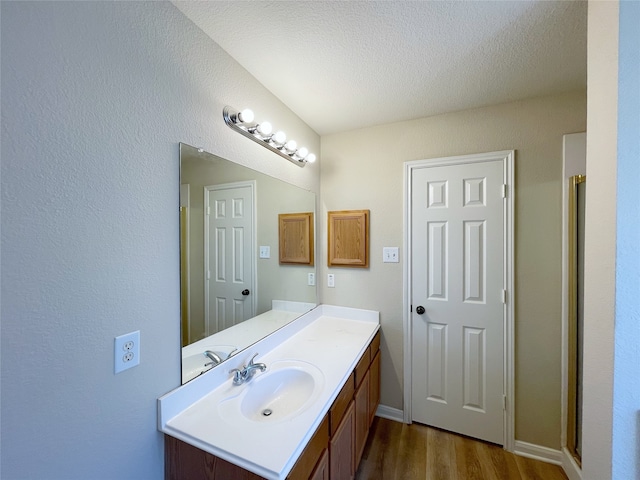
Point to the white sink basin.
(286, 389)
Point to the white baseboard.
(390, 413)
(537, 452)
(570, 467)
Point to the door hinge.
(504, 296)
(504, 402)
(504, 191)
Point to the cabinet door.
(341, 453)
(362, 416)
(321, 472)
(374, 386)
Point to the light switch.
(265, 251)
(390, 255)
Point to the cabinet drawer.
(362, 366)
(375, 345)
(341, 404)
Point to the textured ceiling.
(342, 65)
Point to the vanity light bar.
(242, 122)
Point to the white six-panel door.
(458, 294)
(229, 255)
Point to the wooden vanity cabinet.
(367, 395)
(362, 417)
(334, 451)
(374, 385)
(186, 462)
(309, 464)
(341, 447)
(321, 472)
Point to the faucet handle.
(237, 376)
(251, 361)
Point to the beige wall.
(600, 239)
(364, 169)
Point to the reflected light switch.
(265, 251)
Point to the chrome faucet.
(214, 357)
(247, 372)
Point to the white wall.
(626, 391)
(95, 98)
(363, 169)
(600, 238)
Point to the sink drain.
(266, 412)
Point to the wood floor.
(396, 451)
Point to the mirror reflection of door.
(229, 255)
(577, 193)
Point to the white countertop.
(331, 338)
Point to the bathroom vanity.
(306, 416)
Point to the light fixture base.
(229, 114)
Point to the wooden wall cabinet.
(334, 451)
(348, 242)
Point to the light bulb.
(291, 146)
(311, 158)
(245, 116)
(303, 152)
(279, 138)
(264, 129)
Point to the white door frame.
(507, 157)
(185, 197)
(254, 264)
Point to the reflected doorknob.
(420, 310)
(245, 292)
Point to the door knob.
(420, 310)
(245, 292)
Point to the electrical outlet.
(390, 255)
(331, 280)
(126, 351)
(311, 279)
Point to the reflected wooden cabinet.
(334, 451)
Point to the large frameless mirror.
(234, 289)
